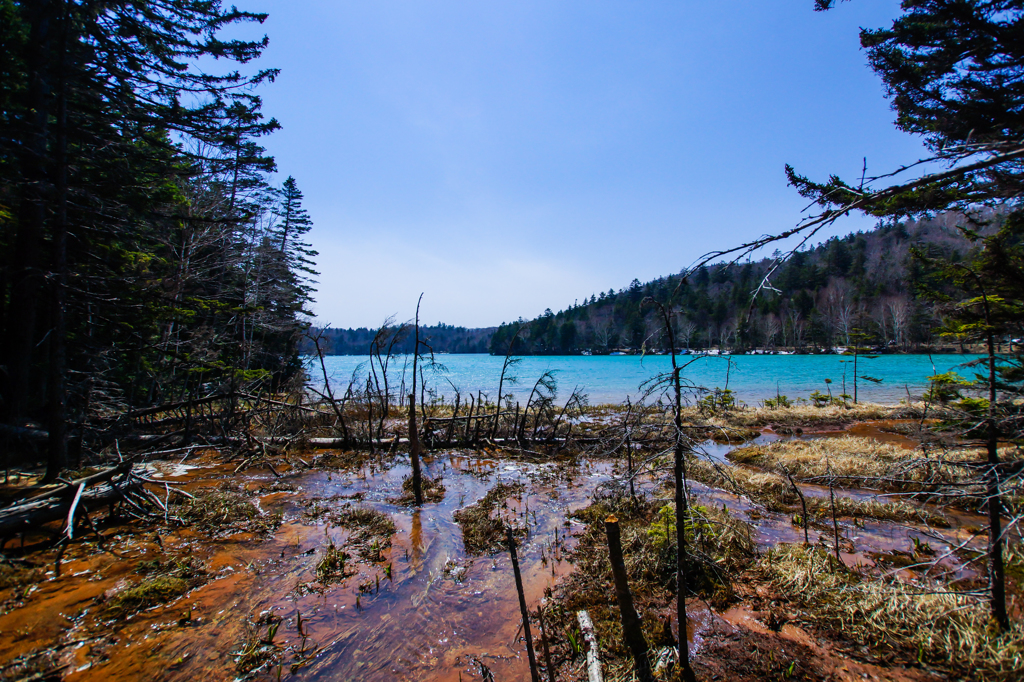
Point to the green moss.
(166, 581)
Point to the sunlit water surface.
(610, 379)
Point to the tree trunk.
(522, 603)
(57, 417)
(632, 629)
(26, 266)
(996, 567)
(414, 451)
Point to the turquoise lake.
(610, 379)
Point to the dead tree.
(510, 538)
(679, 475)
(414, 438)
(632, 630)
(339, 412)
(509, 362)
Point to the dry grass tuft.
(770, 490)
(371, 530)
(224, 512)
(18, 574)
(483, 531)
(819, 509)
(432, 488)
(922, 622)
(866, 462)
(774, 492)
(808, 415)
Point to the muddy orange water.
(440, 615)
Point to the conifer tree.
(132, 193)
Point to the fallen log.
(98, 477)
(594, 672)
(84, 495)
(465, 417)
(24, 433)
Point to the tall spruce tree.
(129, 184)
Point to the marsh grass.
(866, 462)
(223, 512)
(164, 582)
(923, 622)
(433, 490)
(483, 531)
(331, 566)
(15, 574)
(258, 647)
(770, 490)
(820, 510)
(774, 492)
(718, 544)
(371, 529)
(808, 415)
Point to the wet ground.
(419, 609)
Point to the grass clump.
(924, 623)
(331, 566)
(718, 545)
(483, 532)
(432, 488)
(258, 647)
(224, 512)
(797, 415)
(366, 522)
(18, 574)
(819, 510)
(371, 530)
(865, 462)
(164, 582)
(775, 493)
(770, 490)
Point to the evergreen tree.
(132, 208)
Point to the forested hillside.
(147, 255)
(442, 338)
(866, 287)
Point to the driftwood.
(594, 673)
(78, 497)
(168, 407)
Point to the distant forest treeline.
(862, 289)
(443, 338)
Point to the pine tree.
(130, 184)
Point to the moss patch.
(165, 581)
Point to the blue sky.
(506, 157)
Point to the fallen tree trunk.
(83, 495)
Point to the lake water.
(610, 379)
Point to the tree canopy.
(146, 255)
